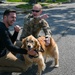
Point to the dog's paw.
(44, 66)
(56, 66)
(38, 73)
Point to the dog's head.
(30, 43)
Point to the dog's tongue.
(29, 49)
(47, 44)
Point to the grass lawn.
(37, 0)
(14, 0)
(29, 6)
(24, 6)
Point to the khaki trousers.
(10, 63)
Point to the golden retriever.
(50, 50)
(31, 43)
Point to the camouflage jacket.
(32, 26)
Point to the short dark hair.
(8, 11)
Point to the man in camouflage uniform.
(34, 23)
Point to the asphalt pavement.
(62, 23)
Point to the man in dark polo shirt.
(9, 62)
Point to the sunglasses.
(35, 10)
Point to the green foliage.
(49, 1)
(25, 0)
(43, 5)
(28, 6)
(24, 6)
(14, 0)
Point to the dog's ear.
(23, 43)
(37, 45)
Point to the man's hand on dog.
(47, 40)
(32, 52)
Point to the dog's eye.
(31, 41)
(27, 41)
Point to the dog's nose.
(29, 46)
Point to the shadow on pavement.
(62, 20)
(33, 69)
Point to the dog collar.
(31, 56)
